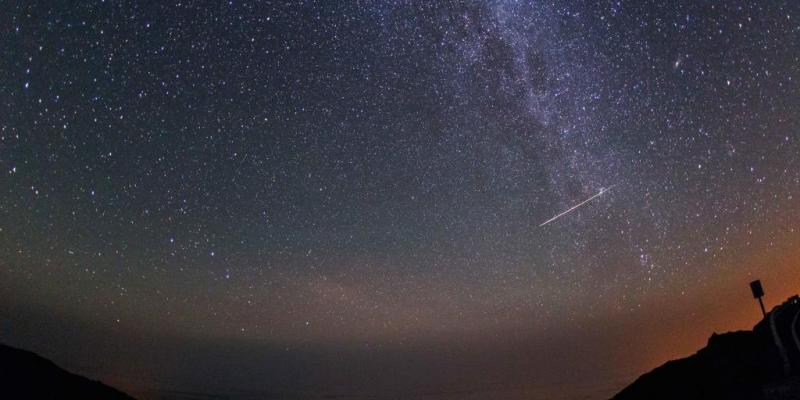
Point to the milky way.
(362, 175)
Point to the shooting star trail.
(602, 190)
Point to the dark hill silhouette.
(746, 365)
(25, 375)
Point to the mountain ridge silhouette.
(759, 364)
(25, 374)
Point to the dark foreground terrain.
(25, 375)
(761, 364)
(749, 365)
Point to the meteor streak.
(602, 190)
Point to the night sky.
(341, 197)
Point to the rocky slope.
(25, 375)
(749, 365)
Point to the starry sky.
(313, 198)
